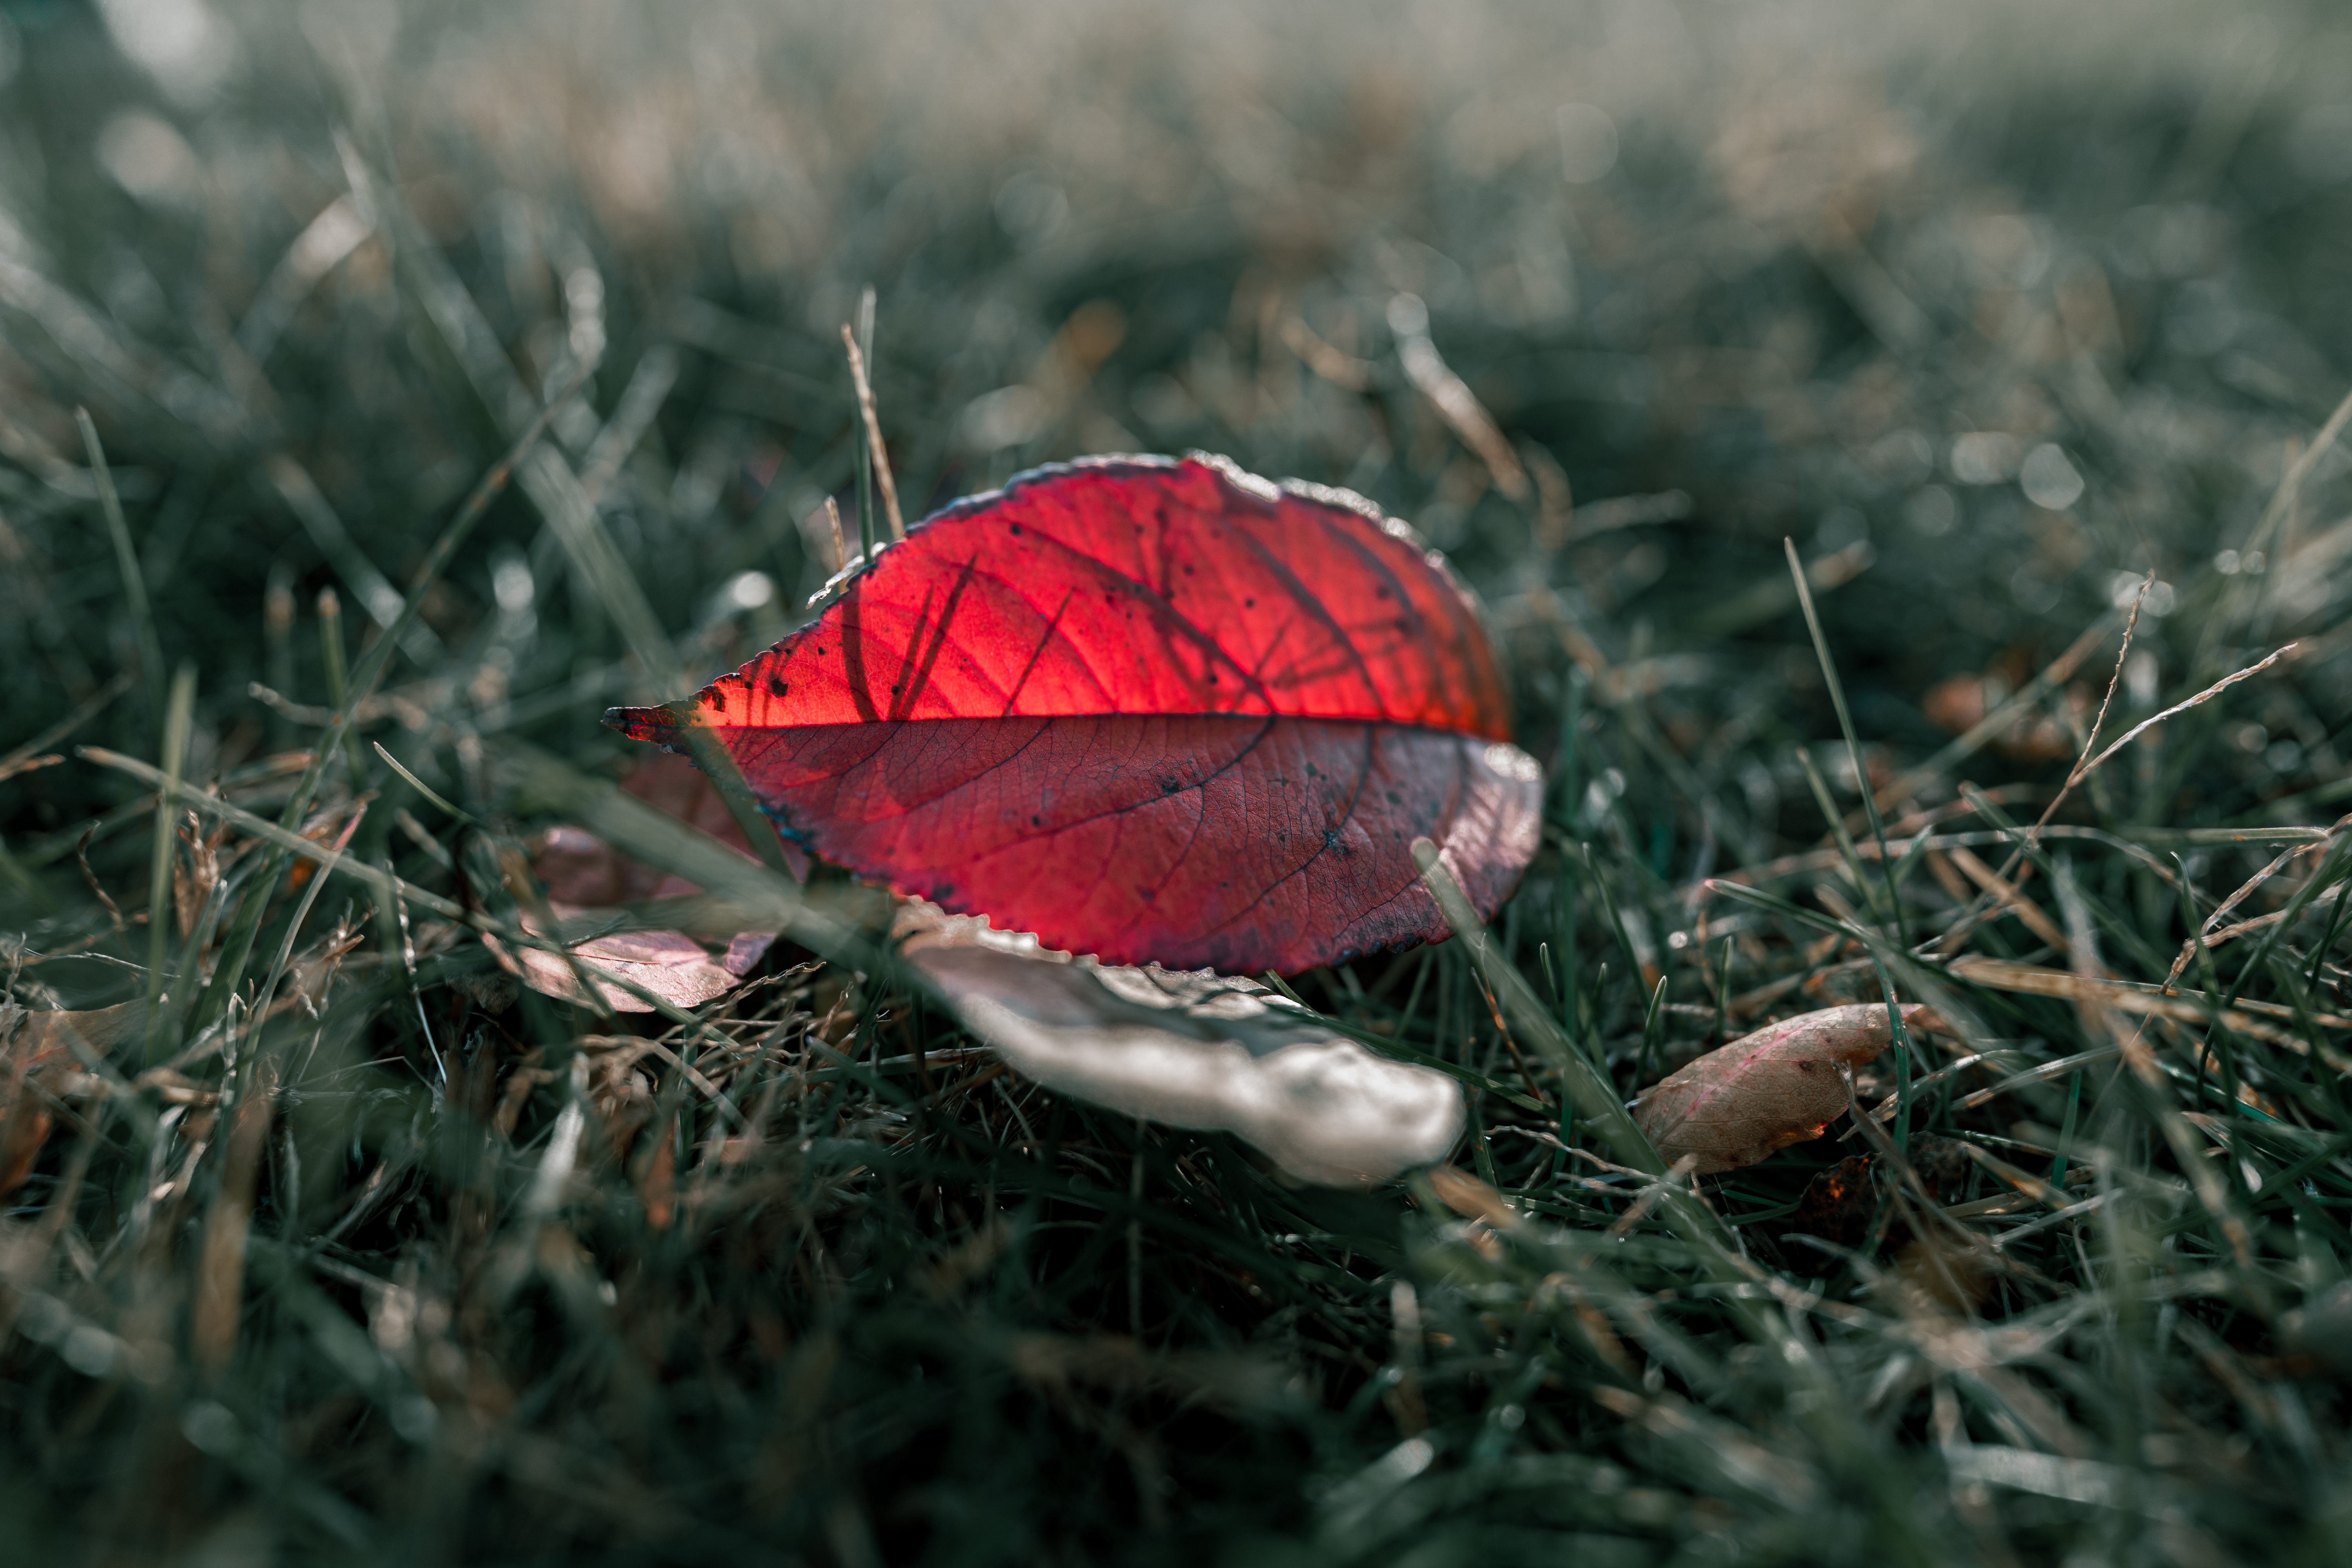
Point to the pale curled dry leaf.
(583, 873)
(669, 963)
(1769, 1090)
(1190, 1049)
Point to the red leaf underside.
(1158, 711)
(583, 870)
(1190, 840)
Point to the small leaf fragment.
(37, 1063)
(670, 965)
(583, 874)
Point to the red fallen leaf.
(578, 867)
(1766, 1091)
(1157, 710)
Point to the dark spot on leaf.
(1036, 822)
(1016, 529)
(777, 684)
(1330, 838)
(1312, 772)
(1394, 799)
(1170, 787)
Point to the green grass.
(345, 1249)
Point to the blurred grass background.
(1994, 310)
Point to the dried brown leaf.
(99, 1029)
(196, 874)
(38, 1062)
(1766, 1091)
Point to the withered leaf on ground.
(582, 874)
(1190, 1049)
(1769, 1090)
(42, 1035)
(671, 964)
(37, 1060)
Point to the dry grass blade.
(873, 424)
(1644, 1201)
(2083, 769)
(840, 544)
(1339, 368)
(1452, 397)
(2210, 933)
(19, 759)
(2290, 490)
(2008, 897)
(1958, 932)
(213, 1326)
(2000, 719)
(2189, 1007)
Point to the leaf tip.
(659, 725)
